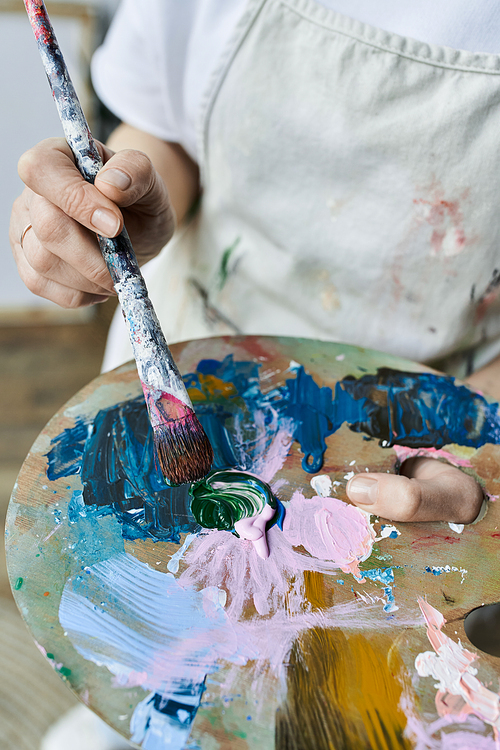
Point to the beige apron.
(351, 191)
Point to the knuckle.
(98, 274)
(141, 163)
(33, 281)
(27, 165)
(46, 221)
(470, 508)
(74, 299)
(34, 164)
(18, 205)
(141, 172)
(75, 201)
(411, 497)
(40, 259)
(14, 236)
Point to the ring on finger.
(23, 234)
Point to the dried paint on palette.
(225, 623)
(402, 409)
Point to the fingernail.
(105, 222)
(116, 178)
(363, 490)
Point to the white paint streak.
(450, 664)
(449, 569)
(322, 485)
(173, 563)
(152, 632)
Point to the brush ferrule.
(165, 408)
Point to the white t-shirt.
(158, 56)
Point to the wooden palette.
(185, 639)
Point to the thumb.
(129, 178)
(426, 490)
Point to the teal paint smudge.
(92, 533)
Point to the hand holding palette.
(177, 631)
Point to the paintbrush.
(184, 451)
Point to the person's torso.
(350, 184)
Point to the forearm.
(179, 172)
(487, 379)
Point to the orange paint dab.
(46, 593)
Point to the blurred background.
(46, 353)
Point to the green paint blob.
(18, 584)
(65, 671)
(224, 497)
(50, 656)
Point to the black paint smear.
(418, 410)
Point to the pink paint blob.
(329, 529)
(254, 530)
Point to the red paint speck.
(430, 541)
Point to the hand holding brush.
(184, 451)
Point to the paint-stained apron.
(351, 193)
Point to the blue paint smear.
(156, 718)
(310, 407)
(385, 576)
(391, 601)
(119, 473)
(434, 571)
(279, 516)
(115, 457)
(67, 451)
(393, 535)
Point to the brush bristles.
(183, 449)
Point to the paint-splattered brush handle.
(166, 395)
